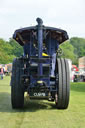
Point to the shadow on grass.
(78, 86)
(29, 105)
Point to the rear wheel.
(63, 84)
(17, 93)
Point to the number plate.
(39, 94)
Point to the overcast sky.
(65, 14)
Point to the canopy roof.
(22, 35)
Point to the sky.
(65, 14)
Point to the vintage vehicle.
(40, 71)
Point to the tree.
(68, 51)
(9, 50)
(79, 46)
(17, 48)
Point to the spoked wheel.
(63, 84)
(17, 92)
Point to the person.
(1, 73)
(29, 50)
(54, 47)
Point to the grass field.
(42, 114)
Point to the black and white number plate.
(39, 94)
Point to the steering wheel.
(59, 52)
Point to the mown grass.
(42, 114)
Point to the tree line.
(72, 49)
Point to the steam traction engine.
(40, 71)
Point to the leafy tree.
(9, 50)
(79, 46)
(17, 49)
(68, 51)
